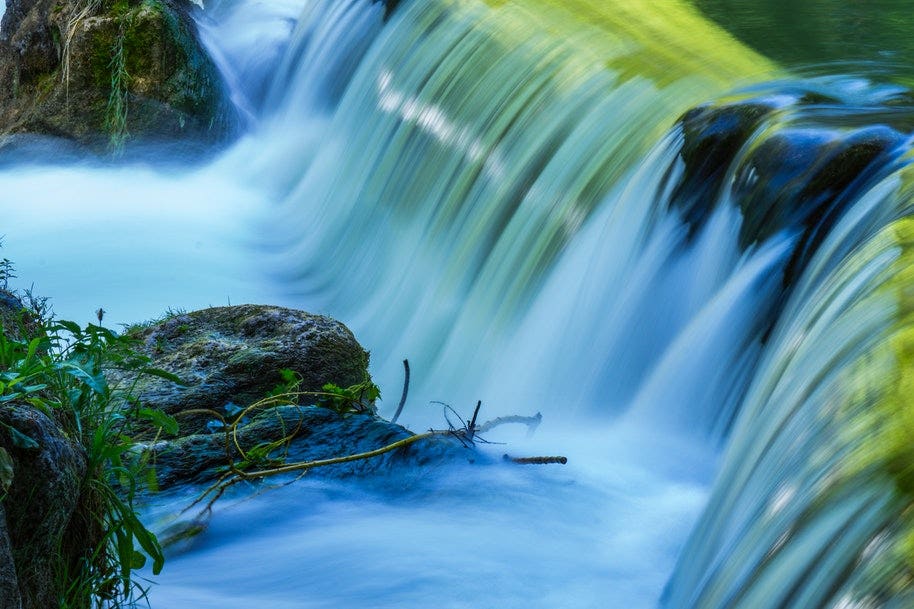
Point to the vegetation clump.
(57, 371)
(103, 73)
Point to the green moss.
(143, 39)
(102, 40)
(878, 420)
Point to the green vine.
(116, 111)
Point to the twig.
(536, 460)
(405, 391)
(471, 428)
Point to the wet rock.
(39, 506)
(312, 433)
(802, 179)
(790, 161)
(100, 73)
(232, 356)
(713, 135)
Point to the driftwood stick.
(531, 422)
(536, 460)
(471, 428)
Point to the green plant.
(62, 370)
(7, 272)
(116, 111)
(170, 313)
(359, 398)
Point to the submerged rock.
(790, 161)
(101, 72)
(311, 433)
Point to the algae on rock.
(100, 72)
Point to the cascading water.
(811, 507)
(494, 190)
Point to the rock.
(15, 319)
(713, 135)
(10, 597)
(234, 355)
(314, 433)
(99, 73)
(43, 496)
(802, 178)
(790, 161)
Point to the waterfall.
(811, 507)
(435, 195)
(586, 208)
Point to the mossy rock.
(313, 433)
(15, 319)
(234, 355)
(121, 72)
(39, 508)
(790, 161)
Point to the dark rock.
(98, 72)
(803, 178)
(313, 433)
(790, 161)
(234, 355)
(43, 496)
(10, 597)
(713, 135)
(16, 320)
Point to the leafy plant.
(63, 372)
(7, 272)
(359, 398)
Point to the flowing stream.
(502, 192)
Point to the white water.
(603, 532)
(291, 215)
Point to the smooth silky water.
(485, 188)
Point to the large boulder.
(233, 356)
(47, 478)
(102, 72)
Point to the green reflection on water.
(876, 37)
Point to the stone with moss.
(41, 531)
(230, 357)
(16, 320)
(105, 73)
(300, 434)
